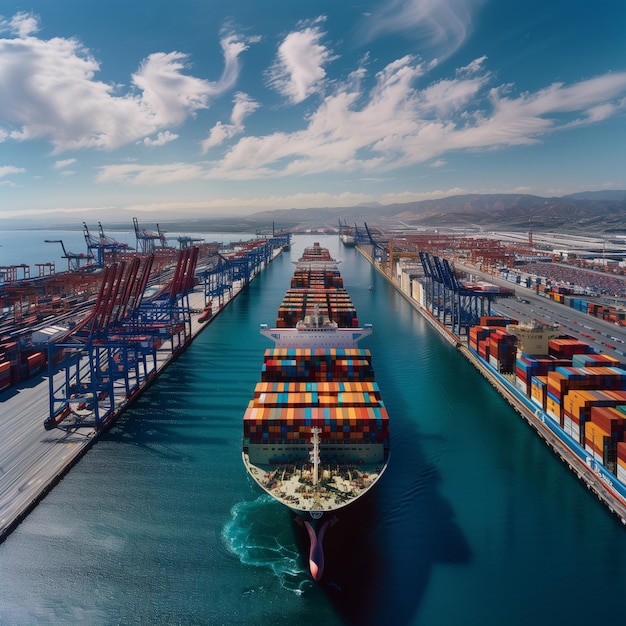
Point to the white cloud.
(59, 165)
(59, 212)
(68, 107)
(161, 139)
(22, 24)
(246, 206)
(256, 204)
(151, 175)
(475, 66)
(7, 170)
(168, 95)
(218, 135)
(395, 120)
(298, 70)
(442, 26)
(398, 125)
(243, 107)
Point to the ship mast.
(316, 315)
(315, 453)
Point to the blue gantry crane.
(105, 360)
(105, 247)
(74, 259)
(137, 322)
(147, 240)
(455, 305)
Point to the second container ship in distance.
(316, 432)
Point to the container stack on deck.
(332, 389)
(316, 286)
(301, 388)
(494, 345)
(317, 365)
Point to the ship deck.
(292, 484)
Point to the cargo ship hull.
(348, 240)
(316, 434)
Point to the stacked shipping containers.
(502, 350)
(577, 407)
(316, 287)
(603, 432)
(479, 340)
(594, 360)
(334, 304)
(329, 388)
(566, 348)
(494, 344)
(527, 366)
(5, 375)
(303, 364)
(565, 379)
(582, 390)
(284, 412)
(621, 461)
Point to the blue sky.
(203, 108)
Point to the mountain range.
(599, 211)
(587, 212)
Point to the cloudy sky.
(206, 108)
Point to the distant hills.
(597, 211)
(585, 212)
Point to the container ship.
(346, 235)
(316, 432)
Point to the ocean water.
(474, 523)
(29, 247)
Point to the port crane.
(105, 246)
(375, 248)
(74, 259)
(185, 241)
(452, 303)
(146, 240)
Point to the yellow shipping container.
(595, 434)
(553, 408)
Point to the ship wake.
(260, 536)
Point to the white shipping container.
(554, 416)
(621, 474)
(44, 335)
(521, 385)
(571, 428)
(597, 457)
(493, 361)
(417, 291)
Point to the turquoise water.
(474, 523)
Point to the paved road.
(527, 306)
